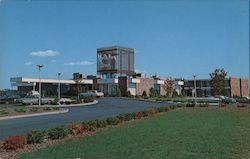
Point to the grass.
(183, 133)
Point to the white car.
(92, 93)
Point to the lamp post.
(59, 87)
(39, 68)
(195, 95)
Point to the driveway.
(105, 108)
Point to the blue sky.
(171, 38)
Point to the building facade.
(233, 87)
(49, 87)
(112, 63)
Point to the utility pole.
(59, 87)
(195, 95)
(40, 91)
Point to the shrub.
(67, 102)
(138, 115)
(3, 112)
(145, 113)
(47, 109)
(34, 109)
(129, 116)
(35, 137)
(222, 104)
(14, 142)
(242, 105)
(153, 92)
(92, 125)
(167, 108)
(190, 105)
(101, 123)
(173, 107)
(144, 94)
(112, 120)
(75, 129)
(88, 99)
(57, 133)
(203, 105)
(121, 117)
(161, 109)
(152, 111)
(20, 110)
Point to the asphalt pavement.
(106, 107)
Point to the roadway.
(106, 107)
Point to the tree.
(153, 92)
(144, 94)
(218, 81)
(169, 87)
(117, 92)
(78, 79)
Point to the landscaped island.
(22, 110)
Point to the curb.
(145, 100)
(32, 115)
(62, 106)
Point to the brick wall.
(244, 88)
(235, 86)
(163, 92)
(144, 85)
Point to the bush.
(173, 107)
(35, 137)
(153, 92)
(75, 129)
(20, 110)
(190, 105)
(145, 113)
(47, 109)
(152, 111)
(242, 105)
(92, 125)
(167, 108)
(57, 133)
(88, 99)
(34, 109)
(203, 105)
(101, 123)
(138, 115)
(3, 112)
(222, 104)
(144, 94)
(121, 117)
(14, 142)
(112, 120)
(161, 109)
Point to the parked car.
(92, 93)
(227, 100)
(33, 98)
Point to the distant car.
(227, 100)
(92, 93)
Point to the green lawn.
(183, 133)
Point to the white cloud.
(45, 53)
(79, 63)
(28, 63)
